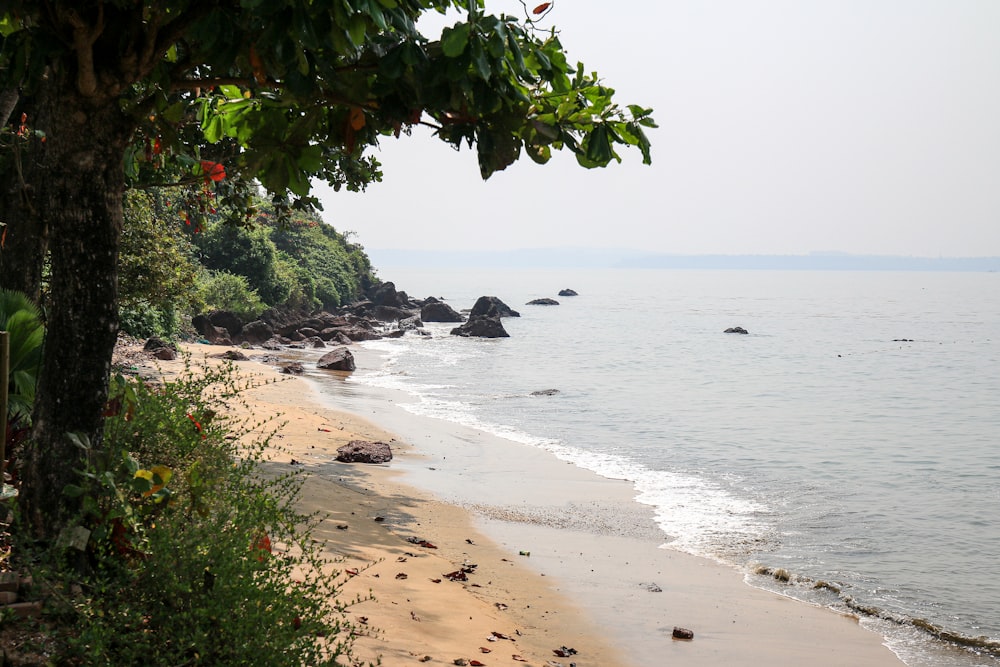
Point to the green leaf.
(453, 40)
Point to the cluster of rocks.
(388, 313)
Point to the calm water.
(822, 443)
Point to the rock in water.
(543, 302)
(737, 330)
(568, 292)
(439, 312)
(339, 359)
(491, 305)
(481, 327)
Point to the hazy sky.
(786, 127)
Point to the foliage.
(248, 253)
(226, 95)
(21, 319)
(187, 527)
(221, 290)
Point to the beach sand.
(576, 584)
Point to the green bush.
(221, 290)
(196, 555)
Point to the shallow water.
(850, 438)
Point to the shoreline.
(596, 579)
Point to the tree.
(225, 93)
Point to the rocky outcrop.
(491, 305)
(568, 292)
(386, 295)
(543, 302)
(481, 327)
(339, 359)
(257, 332)
(736, 330)
(228, 321)
(213, 334)
(437, 311)
(363, 451)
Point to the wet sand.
(592, 576)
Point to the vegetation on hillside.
(173, 266)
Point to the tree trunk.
(80, 198)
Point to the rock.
(362, 451)
(293, 369)
(488, 305)
(273, 344)
(736, 330)
(545, 392)
(308, 332)
(411, 323)
(390, 313)
(481, 327)
(568, 292)
(683, 633)
(213, 334)
(314, 341)
(257, 332)
(227, 320)
(543, 302)
(165, 353)
(386, 295)
(233, 355)
(154, 344)
(439, 312)
(339, 359)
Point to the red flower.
(213, 171)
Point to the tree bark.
(81, 186)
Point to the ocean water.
(850, 443)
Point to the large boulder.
(339, 359)
(386, 295)
(362, 451)
(490, 305)
(229, 321)
(439, 312)
(213, 334)
(257, 332)
(410, 323)
(481, 327)
(543, 302)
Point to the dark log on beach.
(339, 359)
(490, 305)
(362, 451)
(481, 327)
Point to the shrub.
(196, 556)
(221, 290)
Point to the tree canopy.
(100, 95)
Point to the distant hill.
(593, 258)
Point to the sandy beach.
(536, 586)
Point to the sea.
(844, 451)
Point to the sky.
(785, 127)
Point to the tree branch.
(84, 37)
